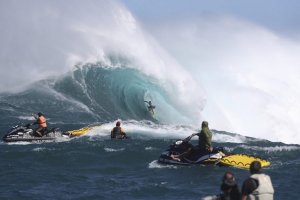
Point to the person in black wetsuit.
(229, 188)
(118, 132)
(150, 106)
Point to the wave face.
(93, 93)
(111, 93)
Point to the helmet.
(40, 114)
(118, 123)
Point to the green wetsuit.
(205, 137)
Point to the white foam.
(142, 129)
(228, 138)
(270, 149)
(150, 148)
(38, 149)
(113, 150)
(155, 164)
(18, 143)
(250, 74)
(147, 129)
(26, 117)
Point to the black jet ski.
(218, 156)
(25, 133)
(195, 157)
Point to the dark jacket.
(118, 133)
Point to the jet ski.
(217, 156)
(195, 157)
(24, 133)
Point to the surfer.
(258, 185)
(117, 132)
(150, 106)
(41, 121)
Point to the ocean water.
(95, 167)
(82, 67)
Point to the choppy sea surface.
(93, 63)
(95, 167)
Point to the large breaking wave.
(103, 65)
(95, 93)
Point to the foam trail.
(148, 130)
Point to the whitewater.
(93, 63)
(234, 80)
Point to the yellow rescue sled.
(241, 161)
(78, 132)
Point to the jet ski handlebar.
(28, 125)
(189, 137)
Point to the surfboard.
(242, 161)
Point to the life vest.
(265, 188)
(42, 121)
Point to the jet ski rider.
(117, 132)
(205, 137)
(41, 121)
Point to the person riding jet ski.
(204, 145)
(184, 153)
(41, 121)
(21, 133)
(205, 137)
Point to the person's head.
(40, 114)
(118, 123)
(228, 181)
(255, 167)
(204, 124)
